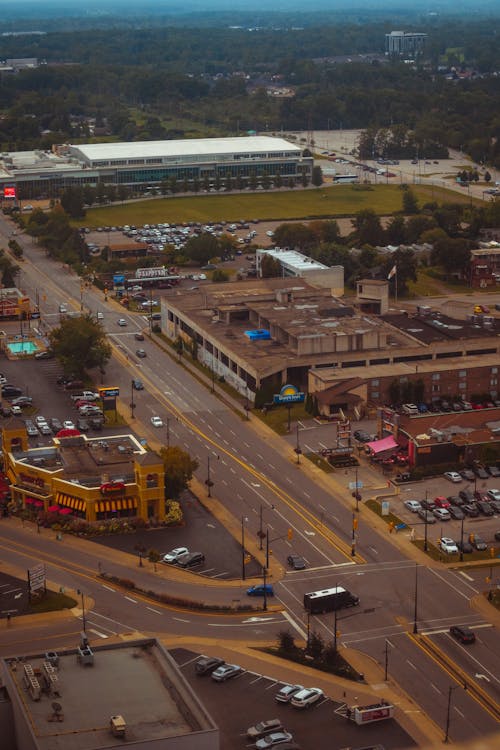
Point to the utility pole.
(208, 482)
(264, 574)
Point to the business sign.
(36, 578)
(109, 392)
(152, 273)
(9, 191)
(289, 394)
(112, 488)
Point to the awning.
(111, 506)
(379, 446)
(38, 503)
(67, 501)
(53, 509)
(65, 511)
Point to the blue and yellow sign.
(289, 394)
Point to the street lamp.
(462, 538)
(84, 620)
(448, 710)
(132, 402)
(386, 659)
(243, 575)
(415, 627)
(208, 481)
(298, 450)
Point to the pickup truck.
(85, 396)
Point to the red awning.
(65, 511)
(379, 446)
(53, 509)
(68, 433)
(38, 503)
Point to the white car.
(493, 494)
(275, 739)
(452, 476)
(157, 421)
(307, 697)
(122, 322)
(68, 425)
(442, 514)
(40, 419)
(174, 554)
(412, 505)
(448, 545)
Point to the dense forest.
(172, 82)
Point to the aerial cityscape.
(250, 403)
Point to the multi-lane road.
(257, 476)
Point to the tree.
(219, 275)
(179, 468)
(202, 249)
(72, 200)
(367, 229)
(410, 204)
(8, 270)
(80, 344)
(487, 176)
(317, 176)
(286, 642)
(396, 231)
(406, 263)
(270, 268)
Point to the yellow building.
(89, 478)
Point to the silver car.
(225, 672)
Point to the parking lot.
(248, 698)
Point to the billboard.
(10, 191)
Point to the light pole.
(462, 537)
(298, 450)
(448, 710)
(264, 603)
(132, 402)
(386, 660)
(243, 575)
(415, 627)
(84, 620)
(208, 481)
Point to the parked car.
(426, 516)
(493, 471)
(225, 672)
(470, 510)
(190, 560)
(46, 354)
(468, 474)
(11, 391)
(464, 546)
(462, 634)
(68, 424)
(453, 476)
(90, 410)
(55, 425)
(493, 494)
(466, 495)
(88, 396)
(428, 504)
(497, 536)
(448, 545)
(362, 436)
(275, 739)
(207, 664)
(44, 428)
(442, 514)
(495, 504)
(485, 508)
(296, 562)
(174, 554)
(22, 401)
(82, 425)
(456, 500)
(456, 513)
(95, 423)
(31, 428)
(307, 697)
(478, 543)
(412, 505)
(263, 727)
(481, 473)
(442, 502)
(287, 692)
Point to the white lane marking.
(179, 619)
(435, 688)
(410, 664)
(463, 594)
(101, 635)
(156, 611)
(295, 625)
(109, 588)
(469, 578)
(458, 711)
(129, 599)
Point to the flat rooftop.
(465, 428)
(138, 681)
(439, 327)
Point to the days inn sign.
(289, 394)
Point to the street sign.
(356, 485)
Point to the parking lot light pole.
(243, 575)
(132, 402)
(462, 538)
(448, 710)
(264, 576)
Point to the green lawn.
(340, 200)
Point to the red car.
(477, 406)
(442, 502)
(82, 402)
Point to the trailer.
(368, 714)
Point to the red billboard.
(9, 192)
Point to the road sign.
(356, 485)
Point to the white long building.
(146, 163)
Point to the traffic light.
(289, 535)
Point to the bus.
(328, 600)
(346, 178)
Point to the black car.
(479, 543)
(95, 424)
(467, 474)
(456, 513)
(481, 473)
(296, 562)
(428, 504)
(464, 546)
(470, 510)
(484, 508)
(11, 391)
(207, 664)
(462, 634)
(83, 425)
(55, 425)
(493, 471)
(456, 500)
(466, 495)
(190, 559)
(495, 504)
(362, 436)
(139, 336)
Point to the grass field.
(331, 202)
